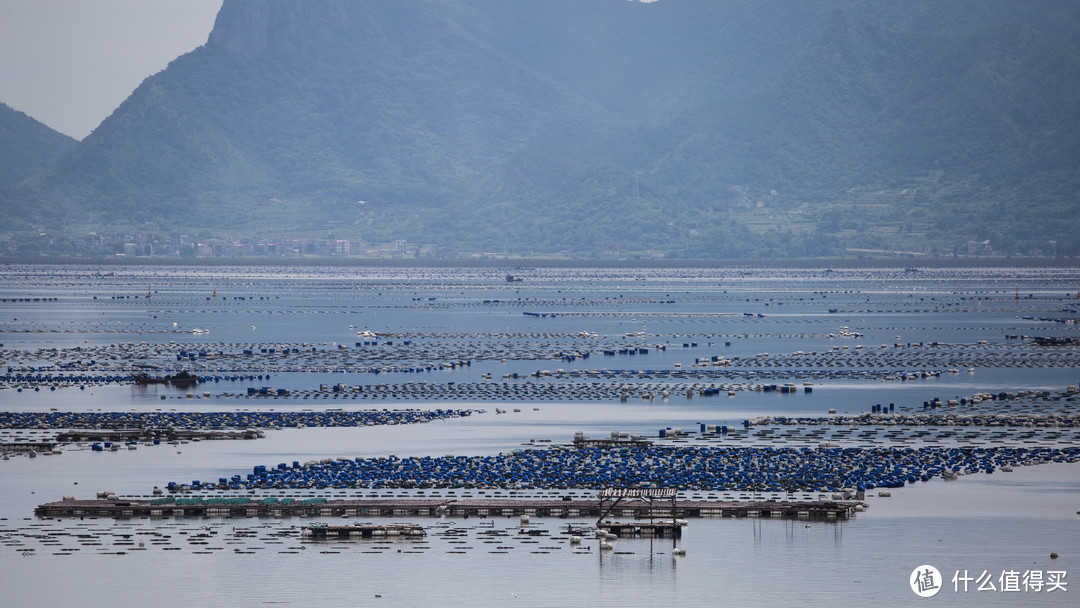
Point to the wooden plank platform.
(21, 446)
(658, 530)
(449, 507)
(149, 434)
(319, 532)
(610, 443)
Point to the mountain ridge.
(26, 145)
(682, 128)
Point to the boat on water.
(180, 379)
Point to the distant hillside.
(689, 128)
(26, 146)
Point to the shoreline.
(541, 262)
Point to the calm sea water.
(994, 523)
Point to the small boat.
(143, 375)
(145, 378)
(181, 379)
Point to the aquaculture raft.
(21, 446)
(148, 434)
(361, 531)
(659, 530)
(438, 507)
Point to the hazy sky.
(70, 63)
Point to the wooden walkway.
(145, 435)
(659, 530)
(437, 507)
(361, 531)
(19, 446)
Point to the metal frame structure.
(617, 495)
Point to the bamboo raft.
(437, 507)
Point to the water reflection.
(1005, 520)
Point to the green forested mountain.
(703, 128)
(26, 146)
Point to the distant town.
(155, 245)
(158, 245)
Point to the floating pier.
(319, 532)
(32, 446)
(658, 530)
(617, 440)
(152, 434)
(435, 507)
